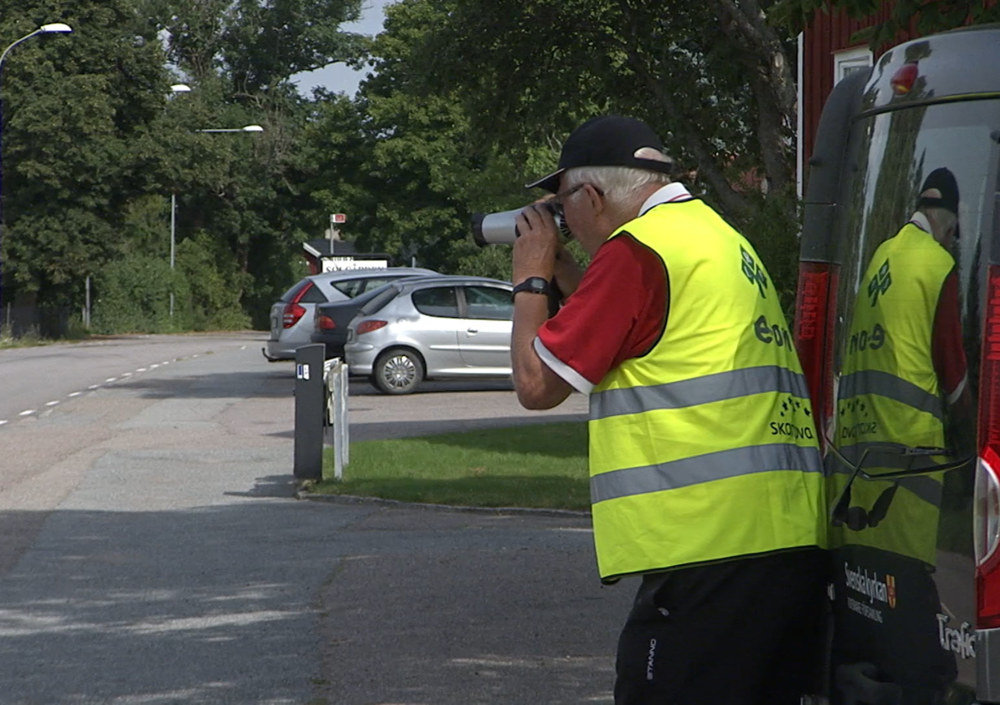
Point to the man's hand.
(567, 272)
(535, 250)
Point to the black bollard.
(310, 410)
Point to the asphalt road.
(35, 379)
(153, 553)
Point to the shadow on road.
(224, 385)
(225, 604)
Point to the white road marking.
(141, 369)
(75, 394)
(51, 403)
(126, 374)
(153, 367)
(2, 422)
(94, 386)
(110, 379)
(27, 412)
(166, 362)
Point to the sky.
(338, 77)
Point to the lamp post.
(175, 89)
(173, 195)
(54, 27)
(247, 128)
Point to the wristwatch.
(535, 285)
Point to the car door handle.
(472, 331)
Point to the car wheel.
(398, 372)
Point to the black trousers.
(742, 632)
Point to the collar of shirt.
(920, 220)
(667, 194)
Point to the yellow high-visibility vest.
(704, 449)
(889, 394)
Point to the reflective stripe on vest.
(692, 392)
(704, 448)
(703, 468)
(891, 387)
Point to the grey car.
(292, 315)
(432, 328)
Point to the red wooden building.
(826, 55)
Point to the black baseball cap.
(608, 140)
(944, 181)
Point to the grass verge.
(540, 466)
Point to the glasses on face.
(560, 198)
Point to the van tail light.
(369, 326)
(814, 324)
(987, 497)
(293, 310)
(324, 322)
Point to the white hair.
(620, 184)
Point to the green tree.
(405, 163)
(921, 16)
(245, 190)
(72, 105)
(712, 78)
(472, 98)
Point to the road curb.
(357, 499)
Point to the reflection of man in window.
(904, 371)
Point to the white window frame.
(851, 59)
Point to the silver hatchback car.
(432, 328)
(292, 315)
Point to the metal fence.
(46, 322)
(335, 378)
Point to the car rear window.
(293, 292)
(313, 295)
(379, 300)
(349, 287)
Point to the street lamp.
(247, 128)
(54, 27)
(175, 89)
(179, 88)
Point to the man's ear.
(596, 202)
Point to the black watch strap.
(535, 285)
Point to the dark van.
(898, 327)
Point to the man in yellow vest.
(903, 387)
(706, 478)
(903, 374)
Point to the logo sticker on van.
(961, 641)
(878, 592)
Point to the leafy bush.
(214, 302)
(134, 297)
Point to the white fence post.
(335, 375)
